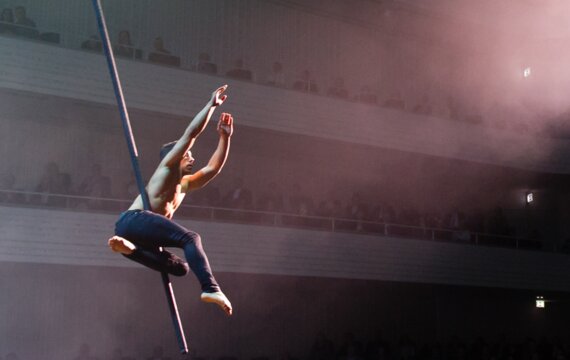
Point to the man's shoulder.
(162, 172)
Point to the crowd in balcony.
(15, 21)
(96, 192)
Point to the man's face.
(187, 163)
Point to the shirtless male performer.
(139, 233)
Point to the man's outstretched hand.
(226, 125)
(218, 96)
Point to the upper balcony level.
(46, 69)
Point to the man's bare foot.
(121, 245)
(218, 298)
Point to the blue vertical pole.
(135, 163)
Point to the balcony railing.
(267, 218)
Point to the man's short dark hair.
(165, 149)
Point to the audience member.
(205, 64)
(276, 78)
(25, 26)
(212, 195)
(7, 183)
(160, 55)
(271, 199)
(7, 21)
(366, 96)
(124, 46)
(357, 210)
(395, 101)
(238, 72)
(458, 224)
(325, 208)
(298, 202)
(53, 181)
(305, 83)
(95, 185)
(239, 197)
(92, 44)
(337, 89)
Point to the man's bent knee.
(179, 269)
(175, 265)
(193, 237)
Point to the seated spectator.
(124, 46)
(356, 208)
(212, 195)
(305, 83)
(162, 56)
(238, 72)
(7, 21)
(395, 101)
(25, 26)
(383, 214)
(53, 181)
(366, 96)
(325, 208)
(7, 183)
(239, 197)
(271, 199)
(276, 78)
(457, 223)
(337, 89)
(205, 65)
(92, 44)
(95, 185)
(424, 107)
(298, 202)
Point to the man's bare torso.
(165, 192)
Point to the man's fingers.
(224, 118)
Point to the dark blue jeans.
(149, 231)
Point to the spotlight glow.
(526, 72)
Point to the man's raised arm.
(218, 159)
(197, 125)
